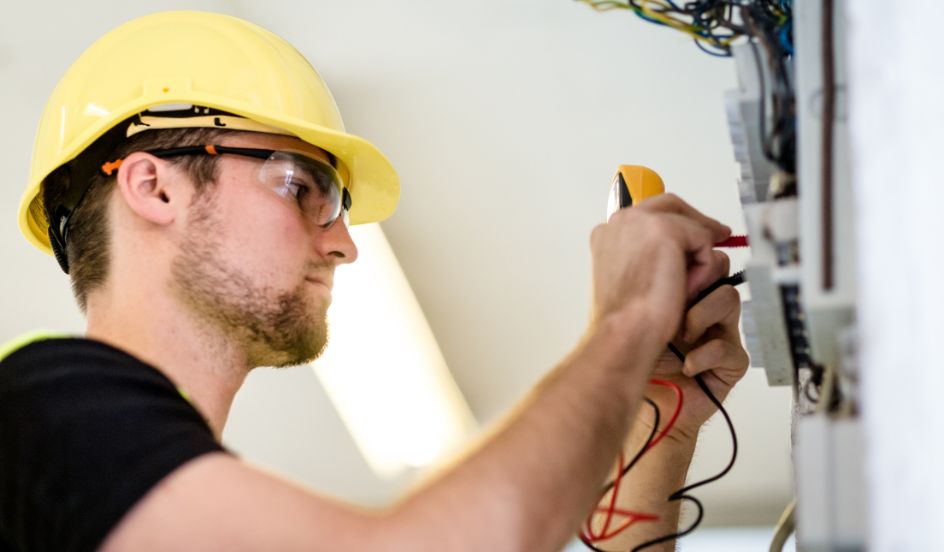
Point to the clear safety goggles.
(313, 185)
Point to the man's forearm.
(646, 488)
(531, 483)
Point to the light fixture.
(383, 369)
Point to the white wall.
(897, 125)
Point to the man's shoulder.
(37, 346)
(60, 359)
(68, 386)
(86, 430)
(22, 348)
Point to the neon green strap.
(186, 396)
(23, 340)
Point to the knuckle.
(724, 261)
(661, 202)
(714, 352)
(660, 226)
(745, 361)
(693, 325)
(671, 197)
(732, 300)
(731, 297)
(706, 235)
(736, 307)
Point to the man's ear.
(148, 188)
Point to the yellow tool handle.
(632, 184)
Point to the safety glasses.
(313, 185)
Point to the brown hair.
(87, 245)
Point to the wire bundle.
(714, 26)
(777, 88)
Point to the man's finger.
(725, 264)
(671, 203)
(696, 242)
(727, 360)
(717, 269)
(693, 238)
(706, 268)
(722, 307)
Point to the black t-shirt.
(86, 430)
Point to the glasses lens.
(315, 186)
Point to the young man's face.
(251, 263)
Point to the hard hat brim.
(374, 184)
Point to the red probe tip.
(733, 241)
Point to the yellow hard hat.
(199, 59)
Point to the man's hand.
(710, 339)
(708, 333)
(649, 259)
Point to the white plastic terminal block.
(831, 501)
(742, 107)
(764, 318)
(827, 252)
(780, 220)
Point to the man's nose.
(335, 243)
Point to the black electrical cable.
(682, 494)
(779, 145)
(762, 85)
(782, 96)
(625, 470)
(713, 22)
(642, 450)
(735, 279)
(806, 391)
(765, 22)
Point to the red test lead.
(733, 241)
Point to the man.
(192, 175)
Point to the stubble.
(273, 327)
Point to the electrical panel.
(800, 321)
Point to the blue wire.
(784, 35)
(722, 54)
(649, 19)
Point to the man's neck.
(154, 328)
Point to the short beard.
(274, 328)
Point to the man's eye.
(296, 189)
